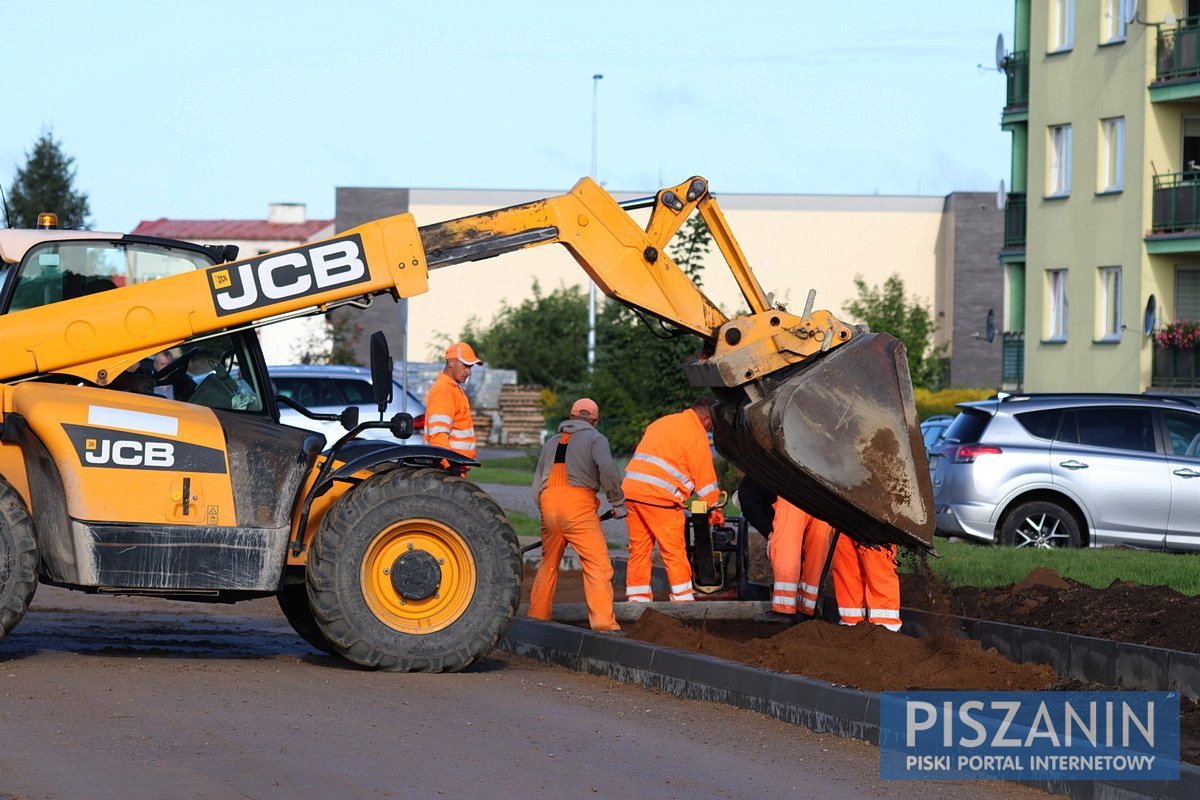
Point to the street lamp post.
(591, 339)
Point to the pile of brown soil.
(1157, 616)
(867, 656)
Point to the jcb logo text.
(292, 273)
(127, 453)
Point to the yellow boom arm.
(97, 336)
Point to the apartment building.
(1102, 224)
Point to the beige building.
(793, 242)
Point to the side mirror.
(381, 371)
(349, 418)
(402, 425)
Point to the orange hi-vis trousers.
(569, 517)
(865, 584)
(649, 524)
(798, 547)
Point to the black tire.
(293, 601)
(459, 611)
(18, 559)
(1041, 524)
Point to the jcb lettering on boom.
(299, 272)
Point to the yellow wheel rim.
(453, 594)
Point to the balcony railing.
(1176, 203)
(1179, 51)
(1016, 65)
(1014, 220)
(1175, 367)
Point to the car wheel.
(1040, 524)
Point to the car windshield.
(62, 270)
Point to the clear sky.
(213, 109)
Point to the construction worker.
(672, 462)
(865, 583)
(799, 550)
(575, 464)
(448, 421)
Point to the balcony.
(1016, 66)
(1175, 368)
(1177, 70)
(1014, 221)
(1175, 214)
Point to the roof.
(15, 242)
(232, 229)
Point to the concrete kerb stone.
(819, 706)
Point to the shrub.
(944, 401)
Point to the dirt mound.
(1157, 616)
(866, 656)
(1041, 577)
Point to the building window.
(1058, 182)
(1056, 305)
(1110, 304)
(1112, 147)
(1112, 22)
(1187, 293)
(1062, 25)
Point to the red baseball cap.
(463, 352)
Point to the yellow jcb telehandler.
(374, 550)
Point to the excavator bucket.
(837, 435)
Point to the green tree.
(544, 338)
(46, 183)
(887, 309)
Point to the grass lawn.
(524, 524)
(511, 471)
(961, 563)
(967, 564)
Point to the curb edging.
(817, 705)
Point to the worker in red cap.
(448, 421)
(574, 467)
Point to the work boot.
(774, 618)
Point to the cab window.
(54, 271)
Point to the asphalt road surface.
(105, 697)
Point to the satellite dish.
(1129, 10)
(1001, 196)
(1000, 52)
(990, 329)
(1151, 317)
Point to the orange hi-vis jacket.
(448, 421)
(672, 462)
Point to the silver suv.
(1071, 471)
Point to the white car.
(330, 389)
